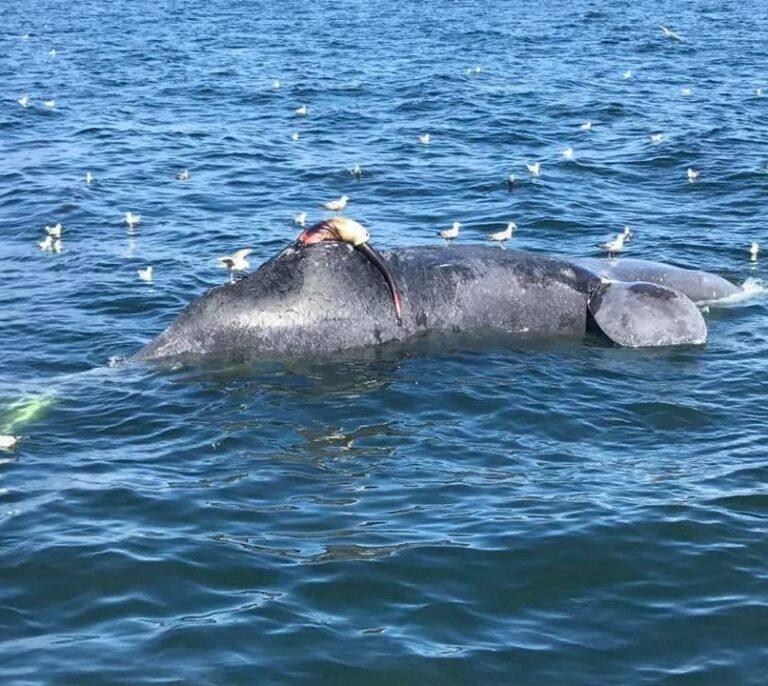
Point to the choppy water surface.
(504, 512)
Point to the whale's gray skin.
(699, 286)
(327, 297)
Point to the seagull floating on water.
(614, 245)
(146, 274)
(132, 219)
(628, 74)
(669, 34)
(586, 126)
(52, 52)
(753, 250)
(23, 100)
(301, 111)
(685, 91)
(8, 442)
(759, 92)
(183, 175)
(356, 171)
(336, 205)
(24, 36)
(656, 137)
(46, 243)
(294, 136)
(50, 102)
(534, 168)
(54, 231)
(276, 83)
(511, 181)
(236, 262)
(504, 235)
(568, 153)
(692, 174)
(88, 177)
(450, 234)
(300, 219)
(424, 139)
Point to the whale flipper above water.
(326, 298)
(639, 314)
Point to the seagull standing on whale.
(236, 262)
(614, 245)
(450, 234)
(502, 236)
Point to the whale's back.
(327, 297)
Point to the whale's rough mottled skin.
(327, 297)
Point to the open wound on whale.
(350, 231)
(639, 314)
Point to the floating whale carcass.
(329, 297)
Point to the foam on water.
(751, 289)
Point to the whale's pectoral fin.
(638, 314)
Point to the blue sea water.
(507, 512)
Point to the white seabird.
(614, 245)
(8, 442)
(450, 234)
(236, 262)
(669, 34)
(502, 236)
(336, 205)
(534, 168)
(54, 231)
(132, 219)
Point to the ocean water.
(489, 512)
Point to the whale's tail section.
(639, 314)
